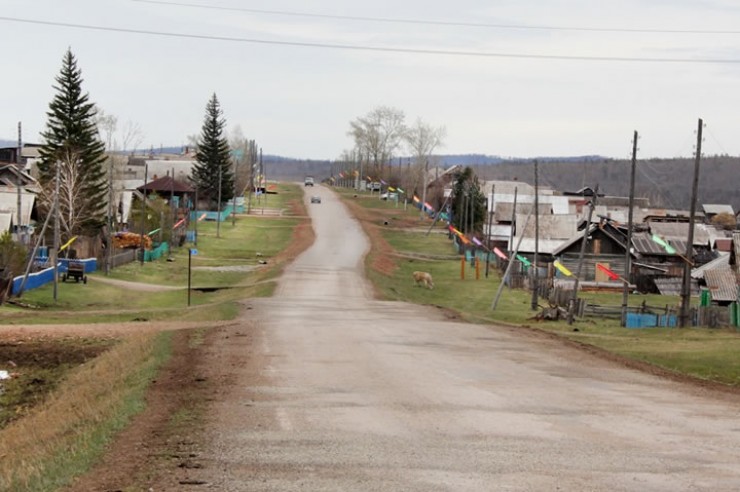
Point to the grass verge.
(63, 436)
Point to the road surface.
(342, 393)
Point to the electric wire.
(377, 49)
(429, 22)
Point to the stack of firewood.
(130, 240)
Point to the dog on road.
(423, 278)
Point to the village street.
(336, 391)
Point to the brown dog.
(424, 278)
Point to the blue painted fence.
(46, 276)
(636, 320)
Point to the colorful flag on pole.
(68, 244)
(668, 248)
(524, 261)
(500, 254)
(610, 273)
(562, 268)
(416, 199)
(400, 190)
(390, 188)
(383, 182)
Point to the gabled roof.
(9, 175)
(721, 262)
(166, 184)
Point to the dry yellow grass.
(62, 437)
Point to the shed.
(722, 284)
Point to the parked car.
(389, 196)
(315, 199)
(374, 186)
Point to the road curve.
(349, 393)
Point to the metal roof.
(503, 210)
(710, 209)
(671, 286)
(722, 283)
(722, 262)
(545, 246)
(680, 231)
(643, 244)
(562, 227)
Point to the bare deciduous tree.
(422, 139)
(377, 135)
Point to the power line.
(389, 20)
(380, 49)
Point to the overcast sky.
(541, 99)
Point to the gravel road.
(343, 392)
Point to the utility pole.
(19, 185)
(689, 257)
(512, 258)
(109, 218)
(55, 248)
(489, 209)
(513, 220)
(572, 306)
(424, 188)
(218, 208)
(143, 213)
(535, 271)
(630, 218)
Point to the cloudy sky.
(518, 78)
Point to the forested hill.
(666, 182)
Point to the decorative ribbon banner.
(500, 254)
(562, 268)
(524, 261)
(668, 248)
(460, 235)
(68, 244)
(610, 273)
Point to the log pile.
(130, 240)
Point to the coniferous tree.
(71, 141)
(468, 202)
(212, 155)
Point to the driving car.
(315, 199)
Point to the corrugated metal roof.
(562, 227)
(499, 232)
(680, 231)
(722, 262)
(644, 244)
(713, 209)
(722, 283)
(545, 246)
(671, 286)
(504, 209)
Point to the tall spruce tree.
(212, 155)
(468, 202)
(71, 141)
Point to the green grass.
(244, 245)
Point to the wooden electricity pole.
(628, 247)
(689, 257)
(535, 271)
(572, 306)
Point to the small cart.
(75, 270)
